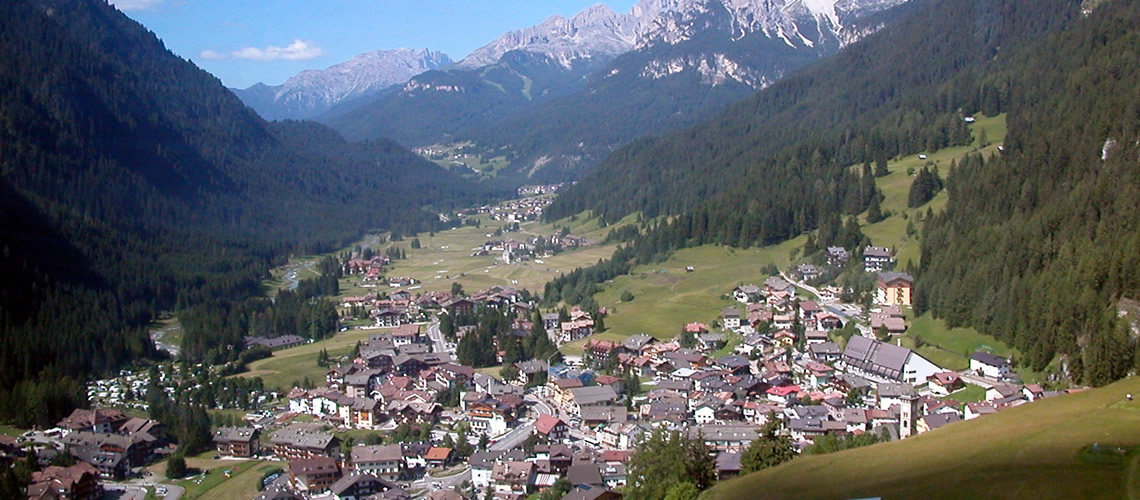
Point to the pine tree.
(874, 213)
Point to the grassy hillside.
(666, 296)
(988, 133)
(1032, 451)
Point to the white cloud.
(299, 50)
(211, 55)
(125, 5)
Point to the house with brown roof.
(313, 475)
(359, 486)
(511, 479)
(944, 383)
(383, 461)
(551, 428)
(78, 482)
(99, 420)
(237, 441)
(295, 443)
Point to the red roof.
(546, 423)
(784, 390)
(616, 455)
(437, 453)
(607, 380)
(696, 328)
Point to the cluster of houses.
(535, 190)
(105, 443)
(394, 379)
(579, 326)
(316, 467)
(520, 210)
(369, 270)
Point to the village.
(787, 352)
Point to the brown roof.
(377, 453)
(318, 465)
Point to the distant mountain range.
(312, 92)
(557, 97)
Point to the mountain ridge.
(311, 93)
(733, 47)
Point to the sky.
(244, 42)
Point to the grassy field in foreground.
(666, 297)
(1031, 451)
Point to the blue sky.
(243, 42)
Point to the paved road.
(436, 337)
(445, 483)
(513, 438)
(540, 405)
(136, 488)
(805, 286)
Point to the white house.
(704, 414)
(884, 362)
(989, 365)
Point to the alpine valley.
(720, 249)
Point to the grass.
(1030, 451)
(291, 365)
(11, 431)
(171, 330)
(891, 232)
(950, 348)
(666, 296)
(242, 483)
(961, 341)
(446, 258)
(491, 371)
(969, 394)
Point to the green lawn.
(292, 365)
(951, 347)
(11, 431)
(1030, 451)
(666, 296)
(445, 258)
(969, 394)
(242, 482)
(961, 341)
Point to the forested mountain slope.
(133, 182)
(901, 90)
(1037, 247)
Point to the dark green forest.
(1036, 247)
(132, 182)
